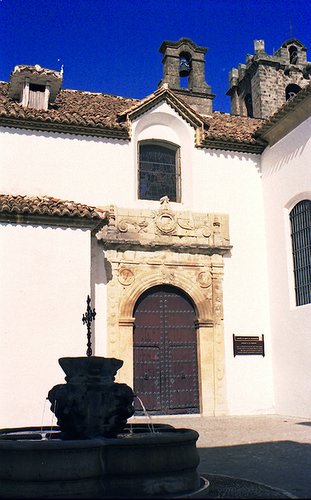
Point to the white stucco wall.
(103, 172)
(286, 181)
(83, 169)
(230, 183)
(44, 282)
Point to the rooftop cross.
(87, 319)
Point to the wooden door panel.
(183, 378)
(147, 378)
(165, 352)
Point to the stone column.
(126, 372)
(219, 347)
(205, 341)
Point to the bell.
(184, 68)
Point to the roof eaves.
(68, 128)
(230, 145)
(48, 210)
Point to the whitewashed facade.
(49, 264)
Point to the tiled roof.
(232, 132)
(97, 114)
(73, 109)
(47, 205)
(164, 93)
(238, 128)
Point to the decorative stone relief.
(168, 275)
(126, 276)
(204, 279)
(164, 227)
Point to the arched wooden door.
(165, 352)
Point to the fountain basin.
(138, 463)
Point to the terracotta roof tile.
(71, 107)
(231, 127)
(47, 205)
(96, 114)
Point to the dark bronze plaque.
(243, 346)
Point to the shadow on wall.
(284, 465)
(101, 267)
(284, 152)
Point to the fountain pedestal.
(91, 404)
(93, 453)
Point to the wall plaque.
(243, 346)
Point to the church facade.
(187, 227)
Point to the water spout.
(150, 423)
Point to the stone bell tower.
(262, 85)
(184, 68)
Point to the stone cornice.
(180, 43)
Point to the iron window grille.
(159, 171)
(300, 219)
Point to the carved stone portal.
(146, 248)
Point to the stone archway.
(139, 261)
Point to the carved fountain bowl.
(81, 367)
(138, 463)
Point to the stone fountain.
(93, 452)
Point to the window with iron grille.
(159, 171)
(300, 218)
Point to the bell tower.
(184, 68)
(262, 85)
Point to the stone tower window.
(291, 90)
(159, 171)
(183, 71)
(185, 66)
(293, 54)
(249, 105)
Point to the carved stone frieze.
(164, 227)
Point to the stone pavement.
(266, 456)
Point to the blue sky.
(111, 46)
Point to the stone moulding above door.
(165, 228)
(146, 248)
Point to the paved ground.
(271, 450)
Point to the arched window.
(159, 171)
(300, 219)
(291, 90)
